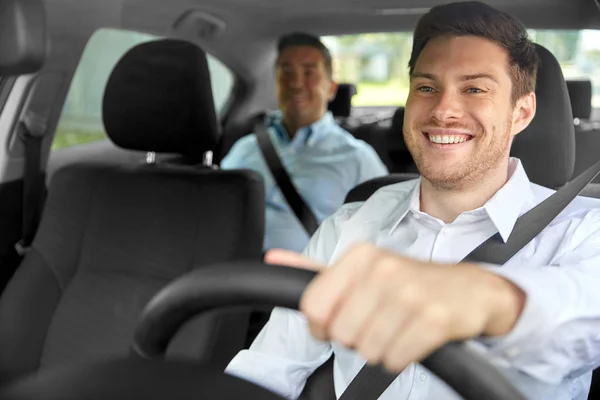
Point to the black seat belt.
(283, 180)
(372, 381)
(31, 131)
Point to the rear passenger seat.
(587, 132)
(388, 142)
(341, 106)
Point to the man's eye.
(474, 90)
(425, 89)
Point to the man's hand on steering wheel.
(396, 310)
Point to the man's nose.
(447, 106)
(295, 80)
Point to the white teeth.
(447, 139)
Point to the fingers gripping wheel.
(257, 284)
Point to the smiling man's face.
(460, 118)
(303, 85)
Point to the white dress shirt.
(550, 353)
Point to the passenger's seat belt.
(372, 381)
(283, 180)
(31, 131)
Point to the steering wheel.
(207, 288)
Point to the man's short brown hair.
(473, 18)
(305, 39)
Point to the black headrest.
(398, 119)
(22, 36)
(580, 93)
(159, 98)
(341, 105)
(547, 146)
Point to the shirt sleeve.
(370, 165)
(285, 353)
(557, 336)
(238, 153)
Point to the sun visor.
(22, 36)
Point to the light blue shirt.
(324, 162)
(550, 353)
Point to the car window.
(81, 118)
(578, 53)
(378, 62)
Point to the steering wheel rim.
(257, 284)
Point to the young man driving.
(404, 294)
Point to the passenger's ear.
(332, 90)
(524, 112)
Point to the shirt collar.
(307, 135)
(508, 203)
(502, 209)
(411, 202)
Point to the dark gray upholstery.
(587, 132)
(580, 94)
(388, 142)
(588, 148)
(112, 235)
(341, 105)
(23, 37)
(546, 147)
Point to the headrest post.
(207, 158)
(151, 158)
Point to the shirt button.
(422, 377)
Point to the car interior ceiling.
(78, 291)
(23, 37)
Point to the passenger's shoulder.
(361, 148)
(246, 143)
(242, 149)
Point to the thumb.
(291, 259)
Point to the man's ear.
(332, 90)
(524, 112)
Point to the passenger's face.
(304, 87)
(460, 119)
